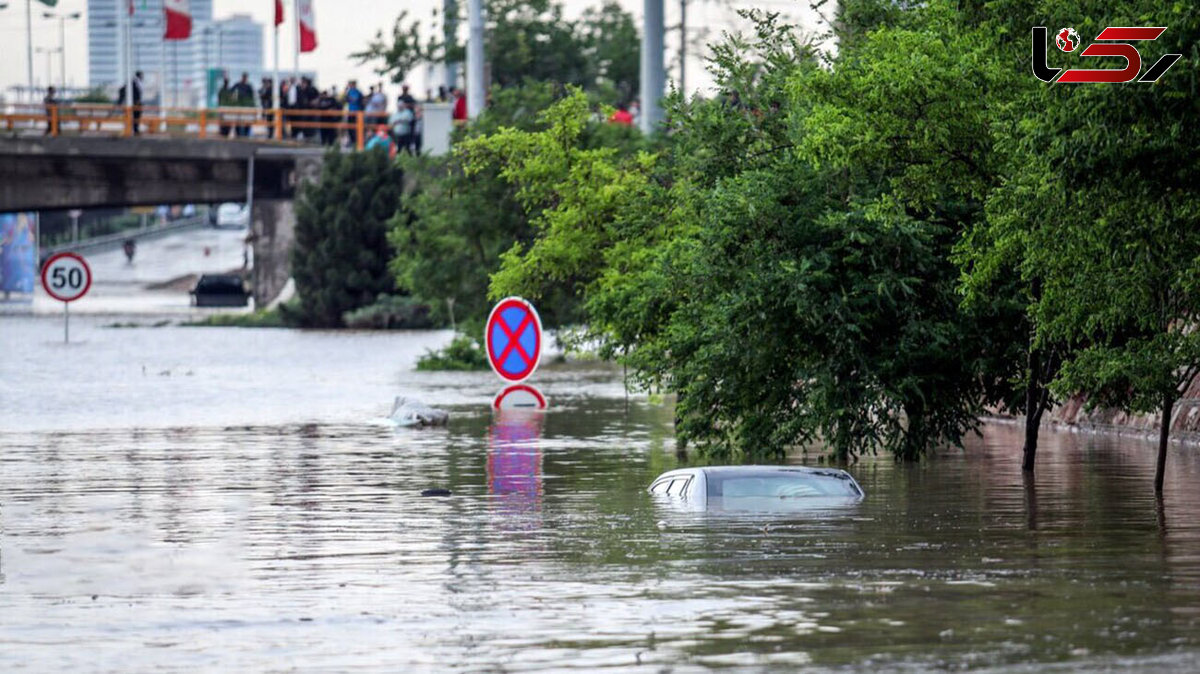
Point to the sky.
(343, 26)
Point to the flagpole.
(277, 91)
(162, 73)
(29, 44)
(296, 47)
(128, 53)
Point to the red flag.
(278, 12)
(308, 27)
(178, 17)
(130, 7)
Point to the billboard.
(18, 254)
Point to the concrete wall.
(274, 228)
(1185, 417)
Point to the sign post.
(513, 341)
(66, 277)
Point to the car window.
(678, 486)
(660, 487)
(778, 486)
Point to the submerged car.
(757, 487)
(220, 290)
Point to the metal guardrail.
(262, 125)
(118, 238)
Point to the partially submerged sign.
(519, 397)
(513, 338)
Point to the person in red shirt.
(460, 106)
(621, 115)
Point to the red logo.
(1119, 37)
(1067, 39)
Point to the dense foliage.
(341, 254)
(867, 250)
(454, 226)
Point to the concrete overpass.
(40, 174)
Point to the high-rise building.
(233, 45)
(175, 69)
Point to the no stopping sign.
(513, 338)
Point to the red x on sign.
(513, 338)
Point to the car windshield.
(220, 284)
(778, 485)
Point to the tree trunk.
(1033, 408)
(1164, 433)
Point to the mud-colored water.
(213, 499)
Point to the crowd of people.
(330, 117)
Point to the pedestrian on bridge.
(136, 102)
(243, 97)
(354, 105)
(50, 102)
(266, 99)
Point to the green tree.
(1093, 226)
(454, 225)
(1120, 258)
(782, 300)
(340, 258)
(526, 40)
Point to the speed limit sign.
(66, 277)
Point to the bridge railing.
(242, 123)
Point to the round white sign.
(66, 277)
(520, 397)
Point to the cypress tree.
(340, 258)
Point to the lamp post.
(206, 31)
(62, 41)
(28, 39)
(47, 51)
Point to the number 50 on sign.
(66, 277)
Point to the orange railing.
(117, 120)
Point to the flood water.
(223, 499)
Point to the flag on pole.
(178, 17)
(308, 27)
(130, 7)
(278, 12)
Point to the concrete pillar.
(274, 231)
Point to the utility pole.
(47, 51)
(653, 75)
(450, 37)
(683, 48)
(29, 44)
(62, 41)
(475, 89)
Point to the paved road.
(120, 287)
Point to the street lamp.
(47, 51)
(28, 39)
(206, 31)
(62, 41)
